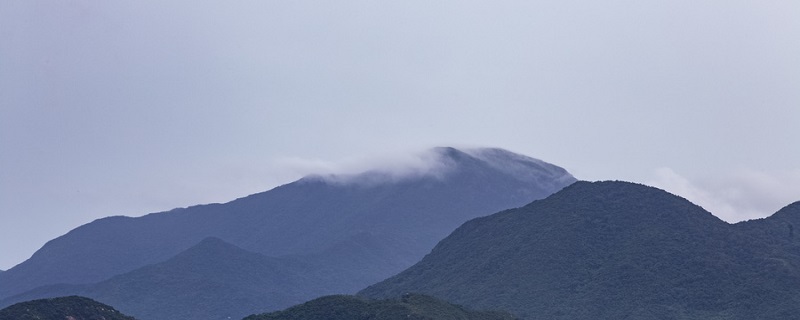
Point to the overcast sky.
(125, 108)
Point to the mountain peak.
(495, 156)
(443, 162)
(633, 202)
(213, 245)
(521, 166)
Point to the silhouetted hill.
(71, 308)
(212, 280)
(609, 250)
(409, 306)
(350, 230)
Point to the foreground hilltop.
(72, 308)
(350, 230)
(613, 250)
(409, 306)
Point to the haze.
(126, 108)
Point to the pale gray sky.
(112, 107)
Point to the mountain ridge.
(353, 233)
(617, 249)
(212, 279)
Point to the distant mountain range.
(69, 308)
(317, 236)
(594, 250)
(614, 250)
(409, 306)
(211, 279)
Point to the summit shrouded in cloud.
(346, 231)
(439, 162)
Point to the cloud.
(368, 169)
(735, 196)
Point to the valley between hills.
(480, 234)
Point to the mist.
(374, 169)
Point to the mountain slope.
(780, 228)
(409, 306)
(212, 280)
(409, 212)
(606, 250)
(352, 230)
(73, 308)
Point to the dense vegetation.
(407, 307)
(72, 308)
(614, 250)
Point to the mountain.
(612, 250)
(212, 280)
(72, 308)
(352, 230)
(409, 306)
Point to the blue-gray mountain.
(614, 250)
(212, 280)
(216, 280)
(351, 231)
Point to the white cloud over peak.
(383, 167)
